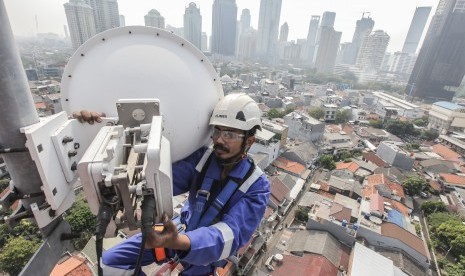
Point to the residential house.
(447, 153)
(451, 181)
(301, 152)
(291, 167)
(347, 187)
(280, 129)
(446, 116)
(266, 143)
(303, 127)
(373, 158)
(72, 266)
(394, 155)
(339, 141)
(364, 261)
(280, 195)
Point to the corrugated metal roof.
(448, 105)
(368, 262)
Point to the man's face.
(227, 141)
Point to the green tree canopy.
(16, 253)
(376, 124)
(421, 122)
(414, 185)
(430, 134)
(302, 214)
(400, 128)
(429, 207)
(316, 113)
(274, 113)
(436, 219)
(452, 233)
(327, 162)
(82, 221)
(342, 116)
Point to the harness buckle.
(204, 193)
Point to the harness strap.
(201, 199)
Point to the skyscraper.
(416, 30)
(328, 19)
(204, 42)
(326, 49)
(122, 20)
(223, 39)
(440, 66)
(372, 51)
(193, 25)
(245, 20)
(81, 23)
(309, 50)
(268, 24)
(106, 14)
(154, 19)
(283, 34)
(363, 28)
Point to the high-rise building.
(65, 28)
(328, 19)
(326, 49)
(284, 32)
(223, 38)
(268, 24)
(81, 22)
(372, 51)
(106, 14)
(122, 20)
(440, 66)
(154, 19)
(416, 30)
(245, 20)
(193, 25)
(247, 45)
(204, 42)
(363, 28)
(309, 49)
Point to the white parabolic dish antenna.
(139, 62)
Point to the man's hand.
(168, 237)
(88, 116)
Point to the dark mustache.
(221, 147)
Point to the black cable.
(148, 210)
(10, 150)
(103, 219)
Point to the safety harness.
(232, 192)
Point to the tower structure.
(81, 24)
(224, 20)
(193, 25)
(268, 25)
(415, 30)
(372, 51)
(154, 19)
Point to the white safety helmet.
(237, 111)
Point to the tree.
(376, 124)
(414, 185)
(421, 122)
(429, 207)
(82, 221)
(430, 134)
(327, 162)
(287, 111)
(342, 116)
(436, 219)
(302, 214)
(400, 128)
(16, 253)
(274, 113)
(316, 113)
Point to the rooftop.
(448, 105)
(367, 262)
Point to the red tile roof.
(351, 166)
(435, 185)
(308, 264)
(288, 165)
(279, 190)
(340, 212)
(453, 178)
(377, 203)
(396, 189)
(73, 266)
(394, 231)
(375, 179)
(373, 158)
(446, 153)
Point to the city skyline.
(51, 16)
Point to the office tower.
(154, 19)
(65, 28)
(326, 49)
(268, 24)
(284, 32)
(328, 19)
(122, 20)
(440, 66)
(193, 25)
(363, 28)
(416, 30)
(372, 51)
(106, 14)
(311, 39)
(81, 24)
(204, 42)
(223, 38)
(245, 20)
(247, 45)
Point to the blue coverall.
(210, 244)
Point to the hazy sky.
(392, 16)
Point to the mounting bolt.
(67, 139)
(72, 153)
(74, 166)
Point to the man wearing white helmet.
(228, 195)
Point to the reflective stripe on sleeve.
(251, 180)
(228, 238)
